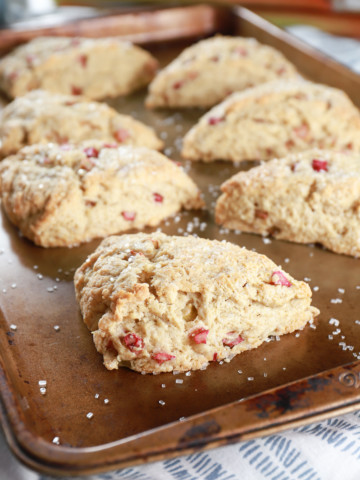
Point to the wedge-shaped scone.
(62, 196)
(42, 117)
(157, 303)
(207, 72)
(307, 197)
(97, 68)
(273, 120)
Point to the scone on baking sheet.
(63, 195)
(306, 197)
(42, 117)
(96, 68)
(157, 303)
(208, 71)
(275, 119)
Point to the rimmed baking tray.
(289, 381)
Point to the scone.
(207, 72)
(96, 68)
(273, 120)
(62, 196)
(42, 117)
(307, 197)
(157, 303)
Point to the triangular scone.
(273, 120)
(97, 68)
(62, 196)
(42, 117)
(157, 303)
(207, 72)
(307, 197)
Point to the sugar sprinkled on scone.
(157, 303)
(307, 197)
(65, 195)
(275, 119)
(96, 68)
(42, 117)
(208, 71)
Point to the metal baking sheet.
(43, 338)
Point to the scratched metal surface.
(36, 294)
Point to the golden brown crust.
(275, 119)
(157, 303)
(42, 117)
(307, 197)
(96, 68)
(208, 71)
(62, 196)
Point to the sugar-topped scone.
(307, 197)
(96, 68)
(208, 71)
(64, 195)
(275, 119)
(42, 117)
(157, 303)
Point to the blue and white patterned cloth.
(327, 450)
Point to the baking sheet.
(42, 336)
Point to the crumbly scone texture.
(62, 197)
(208, 71)
(96, 68)
(43, 117)
(307, 197)
(273, 120)
(157, 303)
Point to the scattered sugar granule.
(307, 279)
(336, 300)
(56, 328)
(266, 240)
(106, 401)
(179, 380)
(97, 395)
(188, 374)
(162, 402)
(13, 327)
(341, 290)
(89, 415)
(334, 321)
(250, 379)
(43, 390)
(42, 383)
(56, 440)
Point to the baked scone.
(157, 303)
(64, 195)
(96, 68)
(208, 71)
(306, 197)
(275, 119)
(42, 117)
